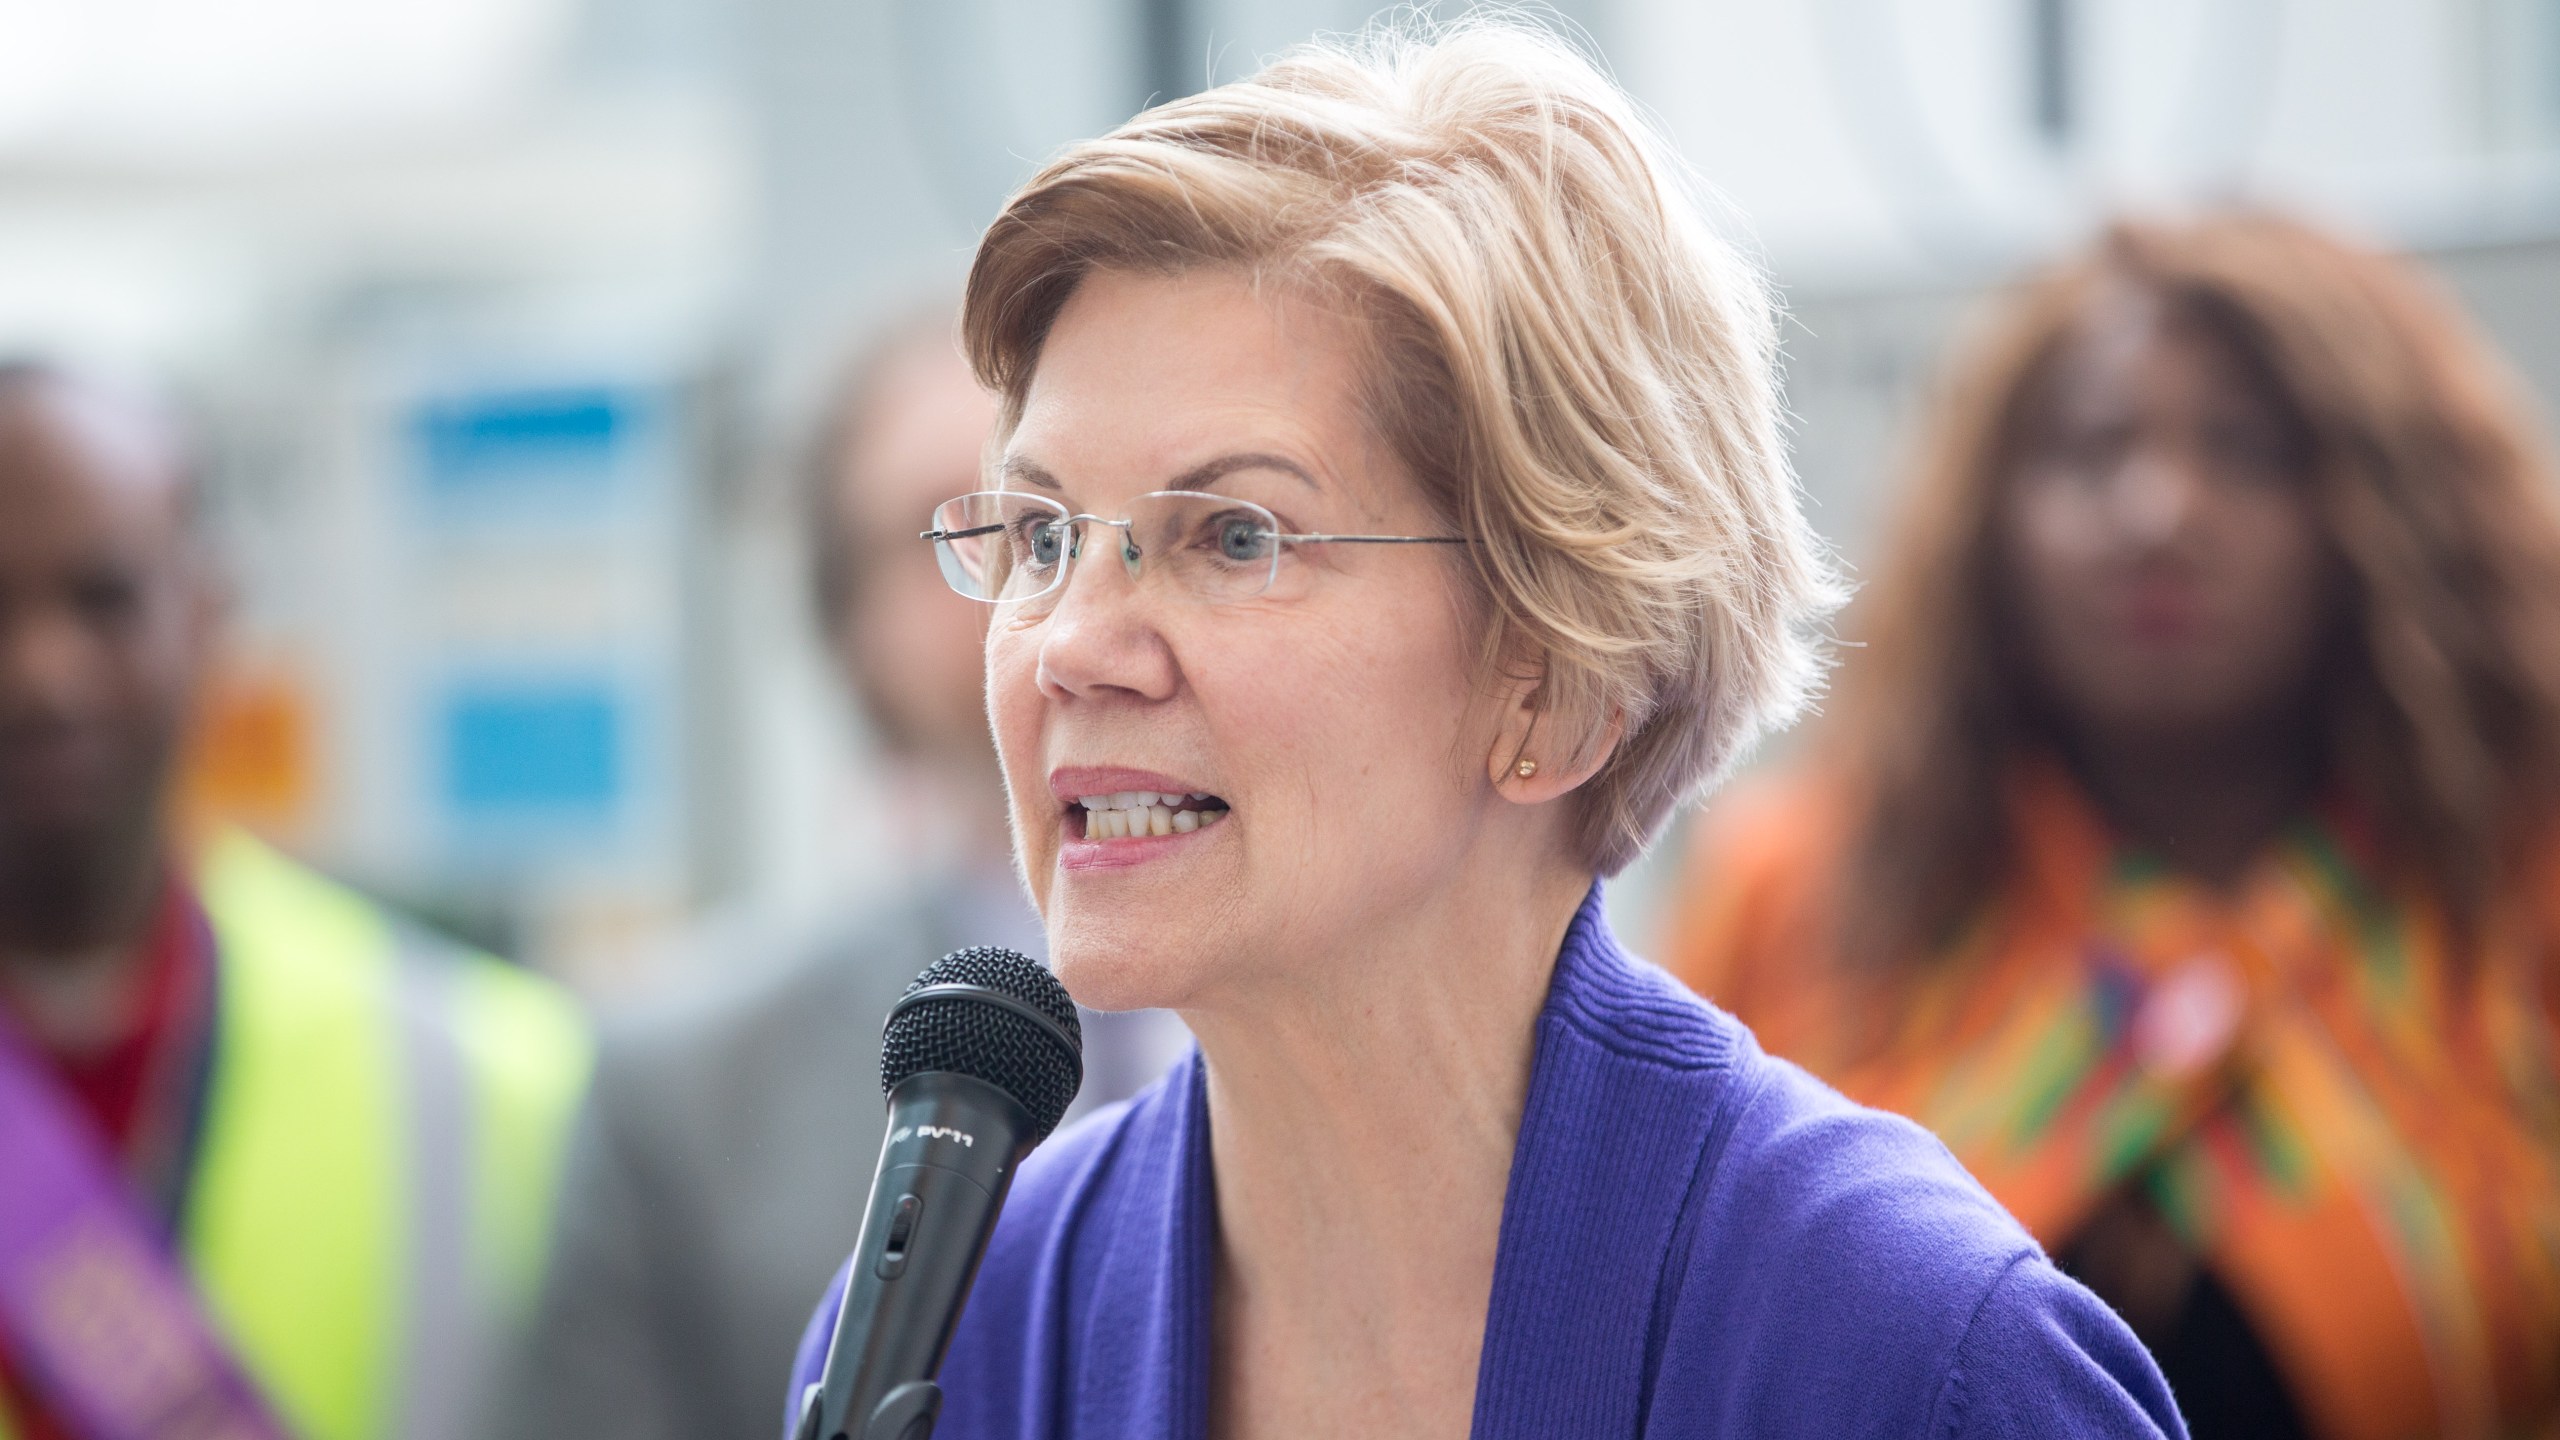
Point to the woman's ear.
(1531, 762)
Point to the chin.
(1104, 975)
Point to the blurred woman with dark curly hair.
(2182, 845)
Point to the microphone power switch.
(902, 1231)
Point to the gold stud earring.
(1525, 769)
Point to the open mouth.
(1131, 814)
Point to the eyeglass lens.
(1012, 546)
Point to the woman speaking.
(1388, 529)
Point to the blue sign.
(547, 750)
(512, 442)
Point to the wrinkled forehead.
(1204, 380)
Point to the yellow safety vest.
(382, 1136)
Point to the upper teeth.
(1136, 800)
(1144, 812)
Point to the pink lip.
(2159, 614)
(1073, 783)
(1078, 853)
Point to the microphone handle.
(949, 1157)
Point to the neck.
(2207, 806)
(1362, 1138)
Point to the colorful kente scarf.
(2356, 1136)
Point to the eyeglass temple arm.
(1276, 535)
(1377, 539)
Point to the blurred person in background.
(2182, 846)
(721, 1167)
(272, 1161)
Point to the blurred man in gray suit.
(720, 1169)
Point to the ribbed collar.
(1627, 1005)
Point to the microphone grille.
(1035, 1057)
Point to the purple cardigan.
(1699, 1240)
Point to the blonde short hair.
(1576, 370)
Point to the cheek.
(141, 681)
(1015, 708)
(2053, 538)
(1360, 715)
(2051, 557)
(2288, 581)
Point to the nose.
(2158, 494)
(1100, 638)
(1118, 537)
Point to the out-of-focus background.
(506, 320)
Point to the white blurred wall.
(330, 221)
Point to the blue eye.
(1048, 541)
(1242, 537)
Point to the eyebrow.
(1029, 472)
(1210, 473)
(1198, 477)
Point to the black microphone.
(981, 1057)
